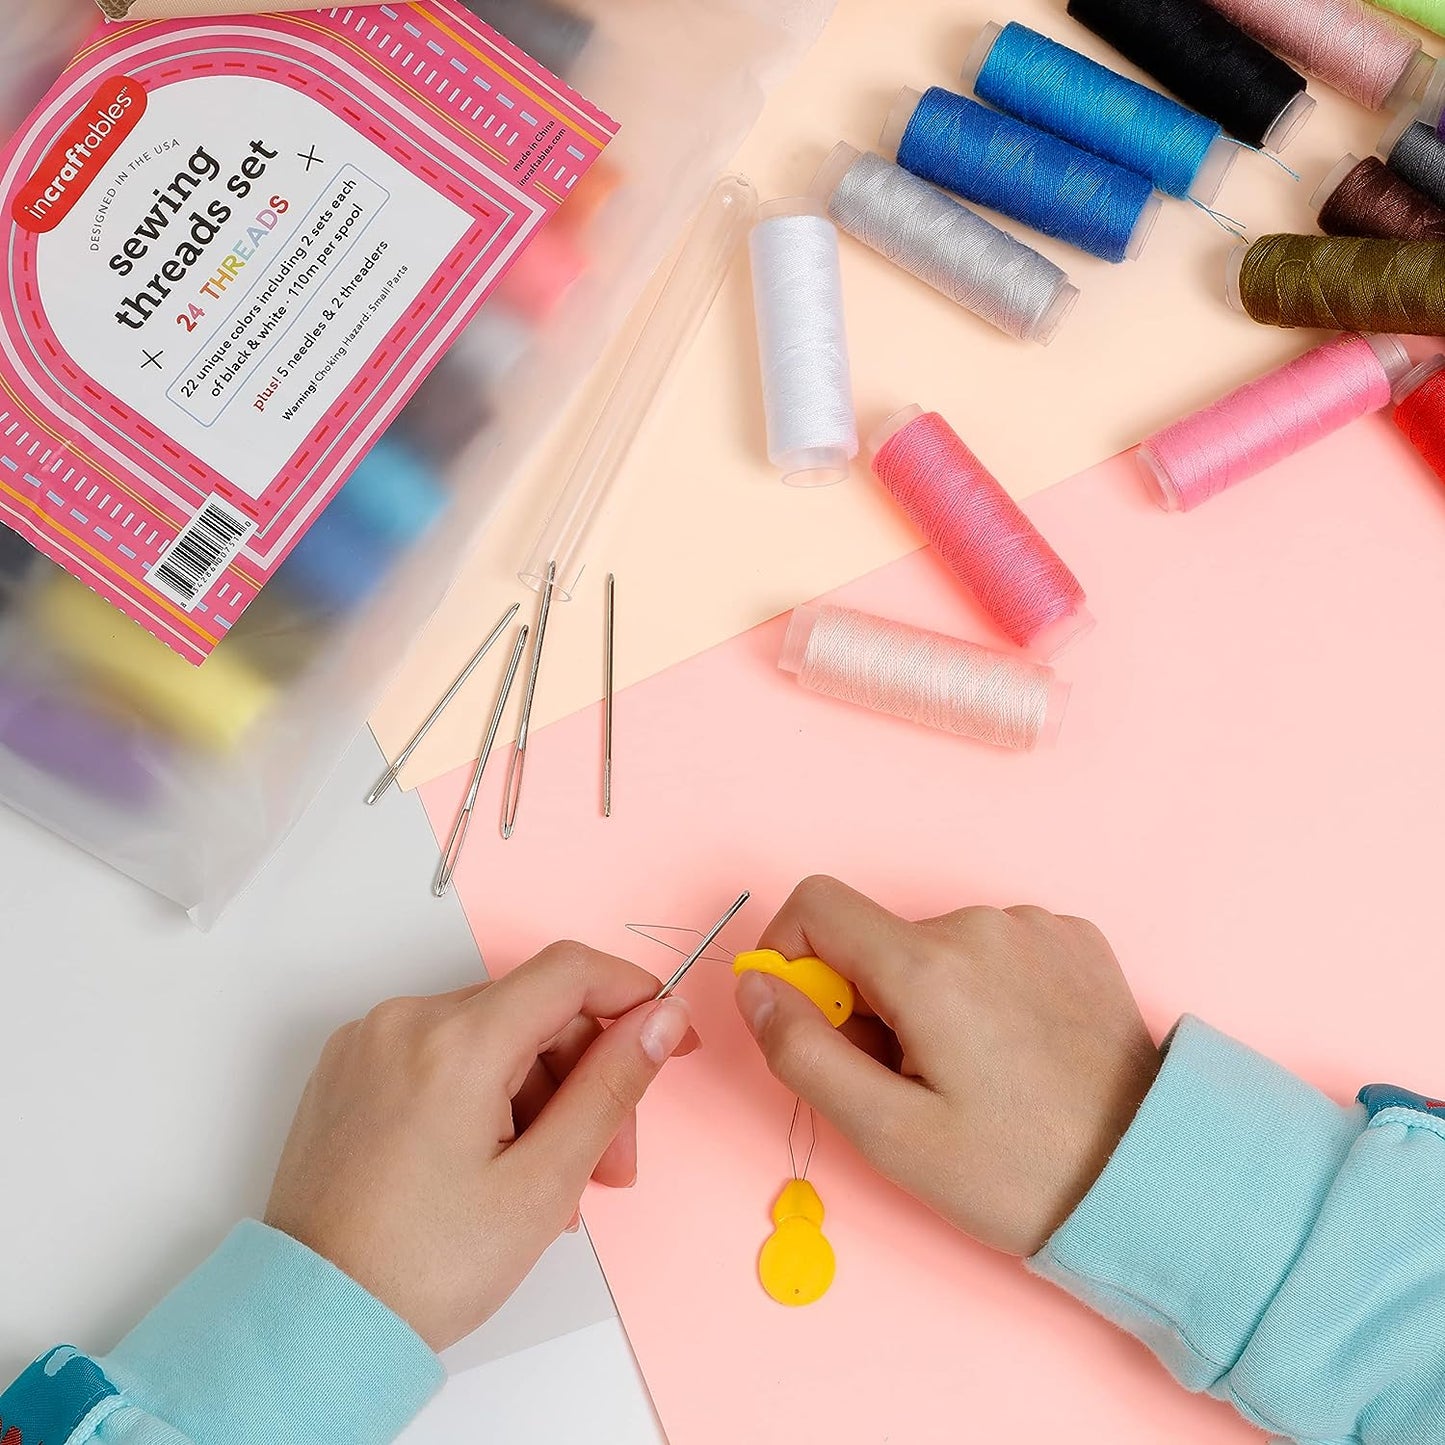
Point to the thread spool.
(1020, 171)
(17, 557)
(212, 706)
(1430, 14)
(1415, 152)
(337, 565)
(1340, 283)
(103, 757)
(802, 343)
(547, 268)
(1037, 80)
(589, 198)
(1270, 418)
(1341, 42)
(1366, 198)
(446, 412)
(548, 32)
(979, 531)
(945, 245)
(1207, 62)
(392, 493)
(1420, 411)
(924, 677)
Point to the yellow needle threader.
(827, 988)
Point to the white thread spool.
(925, 677)
(945, 245)
(802, 343)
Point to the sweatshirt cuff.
(269, 1344)
(1197, 1218)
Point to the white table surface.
(148, 1073)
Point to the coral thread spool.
(1420, 411)
(1271, 418)
(979, 531)
(924, 677)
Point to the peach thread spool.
(927, 678)
(979, 531)
(1269, 419)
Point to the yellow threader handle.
(810, 976)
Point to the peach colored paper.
(704, 539)
(1246, 797)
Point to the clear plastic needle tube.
(685, 298)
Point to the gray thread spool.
(945, 245)
(1416, 153)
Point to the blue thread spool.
(388, 502)
(337, 565)
(1037, 80)
(1020, 171)
(392, 493)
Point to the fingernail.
(664, 1030)
(755, 1000)
(575, 1225)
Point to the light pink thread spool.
(924, 677)
(979, 531)
(1342, 42)
(1270, 418)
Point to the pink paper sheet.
(1247, 798)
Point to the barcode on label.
(204, 549)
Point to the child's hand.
(443, 1143)
(1005, 1062)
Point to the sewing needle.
(452, 853)
(607, 705)
(702, 947)
(519, 748)
(391, 774)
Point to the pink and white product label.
(232, 250)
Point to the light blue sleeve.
(1274, 1249)
(265, 1344)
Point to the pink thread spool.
(927, 678)
(979, 531)
(1348, 45)
(542, 275)
(1269, 419)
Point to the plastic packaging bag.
(187, 779)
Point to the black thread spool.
(1207, 62)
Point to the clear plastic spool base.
(904, 105)
(1289, 122)
(1333, 181)
(1416, 377)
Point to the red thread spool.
(979, 531)
(1420, 411)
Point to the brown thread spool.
(1366, 198)
(1340, 283)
